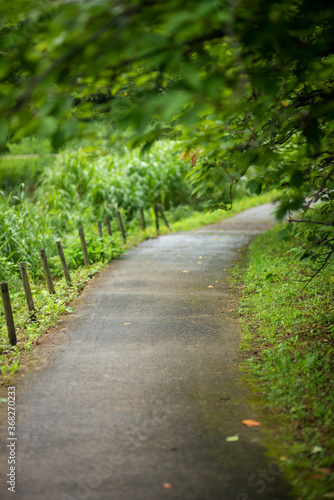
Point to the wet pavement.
(139, 394)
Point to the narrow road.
(137, 396)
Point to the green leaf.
(254, 186)
(3, 130)
(297, 178)
(48, 126)
(230, 439)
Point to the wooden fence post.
(27, 289)
(47, 273)
(99, 228)
(8, 313)
(163, 216)
(83, 246)
(156, 213)
(142, 218)
(120, 223)
(107, 221)
(63, 262)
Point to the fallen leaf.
(168, 485)
(210, 286)
(251, 423)
(127, 323)
(317, 476)
(195, 234)
(3, 400)
(199, 262)
(204, 257)
(328, 495)
(217, 238)
(185, 271)
(214, 255)
(200, 257)
(230, 439)
(282, 458)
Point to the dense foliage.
(80, 183)
(245, 85)
(80, 188)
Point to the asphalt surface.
(138, 393)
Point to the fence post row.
(27, 289)
(107, 221)
(8, 313)
(142, 218)
(99, 228)
(120, 223)
(163, 216)
(83, 246)
(50, 285)
(63, 262)
(47, 273)
(156, 213)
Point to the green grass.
(288, 335)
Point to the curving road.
(136, 393)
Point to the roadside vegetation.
(288, 340)
(78, 187)
(245, 111)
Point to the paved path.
(141, 389)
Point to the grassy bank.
(288, 339)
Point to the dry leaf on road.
(168, 485)
(251, 423)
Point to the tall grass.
(80, 186)
(22, 234)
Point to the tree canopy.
(247, 85)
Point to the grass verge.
(288, 339)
